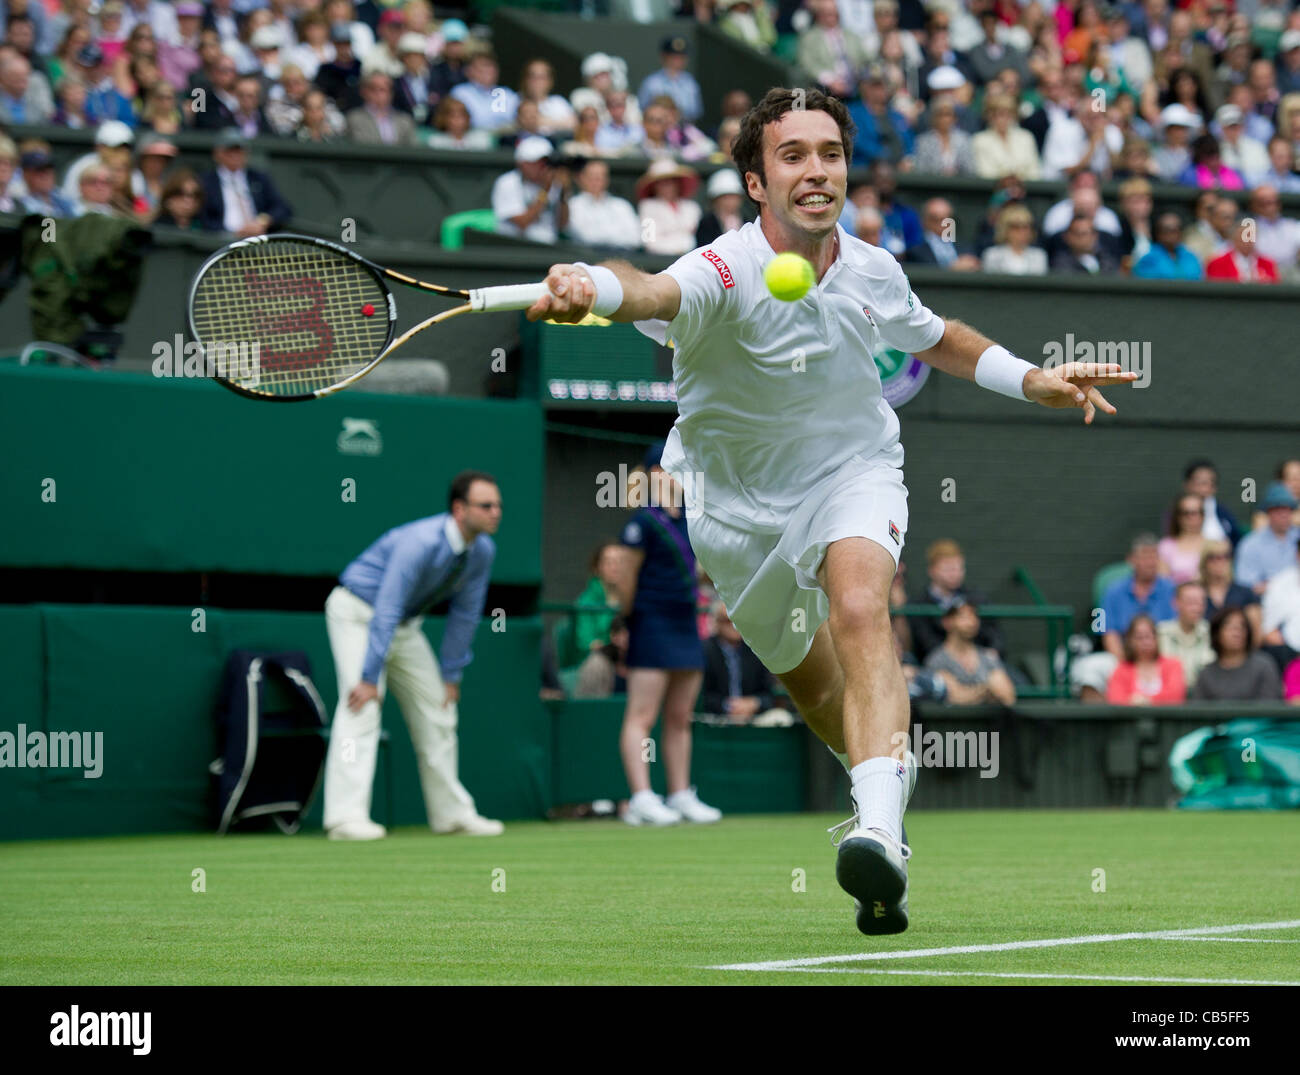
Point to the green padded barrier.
(181, 475)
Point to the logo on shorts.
(727, 279)
(902, 772)
(895, 533)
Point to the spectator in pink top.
(1207, 169)
(1144, 677)
(1180, 551)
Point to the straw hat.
(667, 168)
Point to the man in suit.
(938, 246)
(214, 110)
(374, 618)
(238, 200)
(413, 93)
(340, 79)
(376, 122)
(249, 114)
(735, 682)
(1082, 251)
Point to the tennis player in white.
(798, 511)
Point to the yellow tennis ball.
(788, 277)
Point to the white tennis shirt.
(774, 396)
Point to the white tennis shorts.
(769, 581)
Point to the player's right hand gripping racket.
(291, 317)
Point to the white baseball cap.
(726, 181)
(411, 42)
(597, 63)
(945, 77)
(1178, 115)
(113, 132)
(533, 148)
(266, 37)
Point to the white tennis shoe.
(687, 803)
(471, 825)
(646, 808)
(358, 830)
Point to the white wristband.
(1000, 371)
(609, 292)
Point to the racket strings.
(294, 313)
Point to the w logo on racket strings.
(179, 357)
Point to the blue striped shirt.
(407, 570)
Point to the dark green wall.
(177, 475)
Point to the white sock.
(878, 787)
(843, 760)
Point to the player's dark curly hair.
(747, 151)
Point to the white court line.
(1010, 946)
(1050, 977)
(1239, 940)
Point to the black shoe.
(874, 873)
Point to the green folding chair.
(453, 227)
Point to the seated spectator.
(95, 191)
(249, 115)
(656, 122)
(1084, 199)
(674, 80)
(528, 201)
(8, 167)
(449, 70)
(491, 107)
(1280, 173)
(413, 91)
(1144, 677)
(24, 98)
(1207, 235)
(1221, 591)
(1172, 156)
(669, 214)
(1015, 252)
(214, 108)
(900, 220)
(377, 122)
(944, 149)
(1135, 160)
(735, 682)
(287, 101)
(1005, 148)
(1135, 206)
(599, 74)
(992, 55)
(869, 226)
(938, 245)
(161, 115)
(726, 193)
(1082, 251)
(1207, 170)
(1187, 637)
(599, 218)
(43, 196)
(1168, 259)
(1288, 473)
(948, 83)
(748, 21)
(537, 84)
(104, 101)
(1276, 237)
(340, 78)
(237, 199)
(1263, 553)
(946, 586)
(583, 142)
(1242, 263)
(1201, 479)
(605, 672)
(618, 135)
(1180, 548)
(1241, 153)
(832, 56)
(1238, 674)
(1282, 616)
(883, 133)
(972, 674)
(70, 95)
(113, 142)
(604, 594)
(154, 157)
(180, 202)
(1085, 142)
(382, 56)
(688, 142)
(320, 120)
(451, 128)
(314, 47)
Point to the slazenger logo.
(727, 279)
(360, 436)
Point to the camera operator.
(532, 200)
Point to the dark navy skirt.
(664, 637)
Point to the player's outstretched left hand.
(572, 293)
(1075, 384)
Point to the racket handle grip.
(509, 297)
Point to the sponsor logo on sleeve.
(727, 279)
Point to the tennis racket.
(291, 317)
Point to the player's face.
(483, 507)
(803, 156)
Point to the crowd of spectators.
(1204, 94)
(1211, 610)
